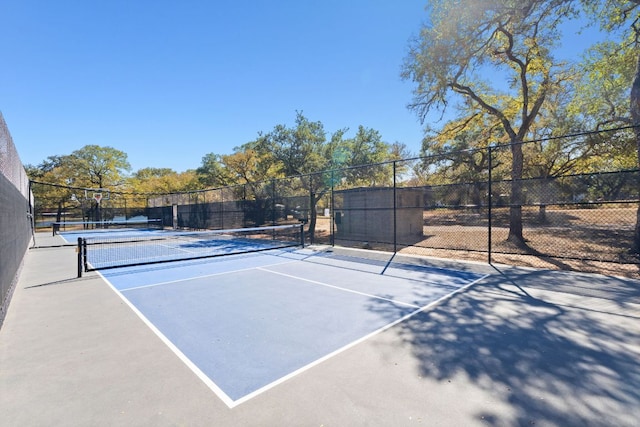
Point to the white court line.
(352, 344)
(176, 248)
(385, 271)
(169, 282)
(194, 368)
(233, 403)
(302, 279)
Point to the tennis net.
(97, 226)
(103, 252)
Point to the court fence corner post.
(395, 209)
(489, 202)
(80, 257)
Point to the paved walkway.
(523, 347)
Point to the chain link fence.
(15, 216)
(70, 206)
(572, 206)
(457, 204)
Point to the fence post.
(489, 203)
(31, 214)
(244, 205)
(80, 257)
(311, 213)
(273, 201)
(395, 208)
(332, 212)
(221, 207)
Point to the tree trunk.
(59, 211)
(542, 214)
(515, 210)
(544, 198)
(635, 116)
(312, 224)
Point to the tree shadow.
(557, 348)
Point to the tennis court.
(317, 336)
(247, 321)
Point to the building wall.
(367, 215)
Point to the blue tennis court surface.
(72, 236)
(103, 250)
(245, 323)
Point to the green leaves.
(510, 41)
(92, 166)
(102, 166)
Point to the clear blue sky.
(170, 81)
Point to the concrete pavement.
(522, 347)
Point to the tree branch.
(466, 90)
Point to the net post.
(84, 254)
(302, 234)
(80, 256)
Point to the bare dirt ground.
(588, 240)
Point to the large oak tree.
(511, 41)
(623, 16)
